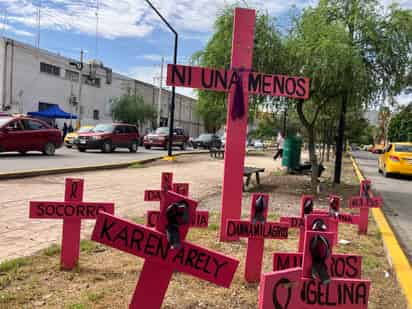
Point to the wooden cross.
(256, 230)
(296, 288)
(339, 266)
(364, 201)
(239, 81)
(199, 219)
(162, 252)
(72, 211)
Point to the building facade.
(32, 79)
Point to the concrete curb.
(42, 172)
(395, 254)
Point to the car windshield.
(85, 129)
(103, 128)
(4, 120)
(403, 148)
(162, 130)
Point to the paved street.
(397, 195)
(64, 157)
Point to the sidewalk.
(21, 236)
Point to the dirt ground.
(106, 277)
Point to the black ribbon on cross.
(177, 214)
(260, 206)
(238, 110)
(320, 251)
(333, 206)
(365, 189)
(308, 206)
(319, 225)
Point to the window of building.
(49, 69)
(96, 114)
(95, 82)
(72, 75)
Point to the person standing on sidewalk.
(280, 141)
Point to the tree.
(267, 56)
(400, 127)
(132, 109)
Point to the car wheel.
(81, 149)
(68, 146)
(183, 146)
(49, 149)
(107, 147)
(147, 147)
(385, 173)
(133, 147)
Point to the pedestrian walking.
(65, 129)
(280, 141)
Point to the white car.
(258, 144)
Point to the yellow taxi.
(70, 137)
(396, 159)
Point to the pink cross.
(256, 230)
(239, 81)
(72, 211)
(307, 286)
(199, 219)
(365, 201)
(164, 250)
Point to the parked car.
(108, 137)
(70, 137)
(396, 159)
(160, 138)
(207, 141)
(23, 134)
(258, 144)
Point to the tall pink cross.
(256, 230)
(198, 219)
(164, 249)
(72, 211)
(239, 81)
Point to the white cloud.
(7, 28)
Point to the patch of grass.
(213, 227)
(6, 297)
(78, 306)
(52, 250)
(139, 220)
(94, 297)
(13, 265)
(137, 165)
(88, 245)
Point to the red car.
(160, 138)
(108, 137)
(23, 134)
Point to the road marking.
(397, 257)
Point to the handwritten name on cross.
(365, 201)
(339, 266)
(308, 287)
(164, 250)
(72, 211)
(239, 81)
(199, 219)
(256, 230)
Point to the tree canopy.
(400, 127)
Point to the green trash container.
(291, 152)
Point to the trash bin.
(291, 152)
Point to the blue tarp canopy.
(53, 112)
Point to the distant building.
(32, 79)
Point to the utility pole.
(159, 103)
(79, 66)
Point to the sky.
(131, 38)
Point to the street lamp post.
(172, 103)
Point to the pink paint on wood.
(152, 195)
(242, 54)
(288, 290)
(256, 231)
(362, 202)
(72, 211)
(340, 266)
(200, 219)
(153, 246)
(181, 188)
(296, 223)
(223, 80)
